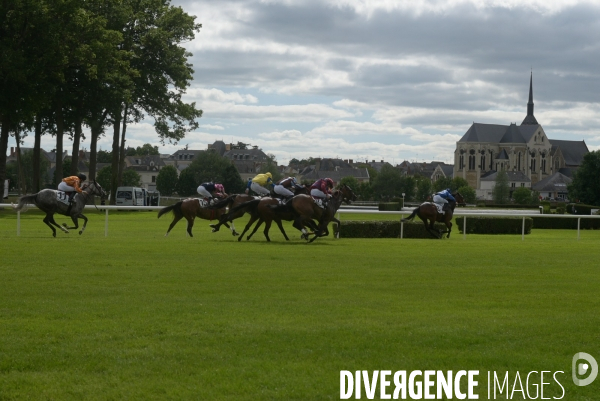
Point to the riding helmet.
(81, 177)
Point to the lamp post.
(402, 200)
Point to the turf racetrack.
(139, 316)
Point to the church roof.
(573, 151)
(484, 133)
(502, 155)
(512, 135)
(557, 182)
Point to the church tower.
(530, 119)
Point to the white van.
(130, 196)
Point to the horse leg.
(449, 225)
(258, 224)
(51, 220)
(190, 225)
(252, 220)
(175, 220)
(278, 222)
(266, 230)
(46, 220)
(85, 220)
(75, 222)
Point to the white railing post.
(578, 222)
(401, 227)
(464, 227)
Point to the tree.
(186, 184)
(586, 185)
(442, 183)
(387, 183)
(424, 189)
(166, 181)
(146, 149)
(468, 194)
(501, 190)
(522, 196)
(351, 182)
(271, 166)
(104, 157)
(209, 166)
(458, 182)
(130, 178)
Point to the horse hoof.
(80, 232)
(64, 224)
(235, 234)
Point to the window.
(471, 162)
(519, 162)
(533, 165)
(461, 162)
(482, 162)
(512, 185)
(153, 178)
(522, 184)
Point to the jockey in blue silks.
(442, 198)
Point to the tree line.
(102, 64)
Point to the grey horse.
(47, 201)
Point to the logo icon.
(583, 368)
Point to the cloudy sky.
(386, 79)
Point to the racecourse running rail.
(458, 212)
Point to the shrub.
(580, 208)
(495, 225)
(385, 229)
(546, 206)
(565, 223)
(389, 206)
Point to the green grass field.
(139, 316)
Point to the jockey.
(441, 198)
(282, 187)
(321, 189)
(208, 189)
(259, 183)
(72, 184)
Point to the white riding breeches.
(317, 193)
(62, 186)
(259, 189)
(439, 200)
(203, 191)
(281, 190)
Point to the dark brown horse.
(429, 214)
(230, 202)
(305, 211)
(190, 209)
(260, 212)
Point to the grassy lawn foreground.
(138, 316)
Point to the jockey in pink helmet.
(209, 189)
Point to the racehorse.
(231, 202)
(47, 200)
(304, 209)
(429, 212)
(259, 210)
(190, 209)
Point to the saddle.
(439, 208)
(320, 202)
(64, 197)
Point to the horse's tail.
(24, 200)
(222, 203)
(412, 216)
(176, 209)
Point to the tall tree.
(501, 190)
(166, 181)
(586, 185)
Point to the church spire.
(530, 119)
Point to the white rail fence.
(458, 213)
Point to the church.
(524, 151)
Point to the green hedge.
(385, 229)
(389, 206)
(495, 225)
(566, 223)
(580, 209)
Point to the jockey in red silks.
(321, 189)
